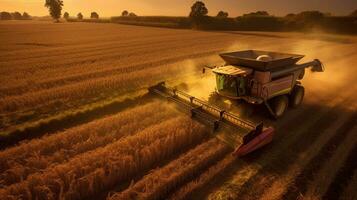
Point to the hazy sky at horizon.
(181, 7)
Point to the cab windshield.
(226, 85)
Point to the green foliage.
(26, 16)
(312, 16)
(257, 14)
(55, 8)
(66, 15)
(5, 16)
(155, 21)
(198, 10)
(94, 15)
(79, 16)
(222, 14)
(125, 13)
(198, 15)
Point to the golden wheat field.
(76, 121)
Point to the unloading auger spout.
(244, 136)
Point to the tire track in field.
(257, 175)
(300, 184)
(259, 181)
(344, 175)
(228, 168)
(283, 161)
(321, 181)
(246, 167)
(349, 192)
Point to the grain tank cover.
(248, 58)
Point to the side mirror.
(318, 67)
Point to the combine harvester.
(257, 77)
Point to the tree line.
(15, 15)
(198, 18)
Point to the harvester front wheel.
(279, 105)
(297, 96)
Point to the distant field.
(74, 96)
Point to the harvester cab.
(256, 77)
(263, 77)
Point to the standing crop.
(39, 154)
(93, 172)
(159, 183)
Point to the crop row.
(96, 171)
(38, 154)
(16, 78)
(203, 179)
(160, 182)
(70, 76)
(321, 181)
(83, 90)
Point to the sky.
(107, 8)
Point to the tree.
(16, 15)
(222, 14)
(55, 8)
(94, 15)
(290, 15)
(310, 16)
(198, 10)
(79, 16)
(257, 14)
(132, 14)
(26, 16)
(354, 13)
(125, 13)
(66, 15)
(5, 16)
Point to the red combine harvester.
(257, 77)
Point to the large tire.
(279, 105)
(297, 96)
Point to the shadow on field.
(67, 121)
(276, 158)
(280, 160)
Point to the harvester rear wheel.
(279, 105)
(297, 96)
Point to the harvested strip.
(92, 172)
(35, 156)
(279, 187)
(160, 182)
(253, 173)
(187, 190)
(323, 179)
(350, 192)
